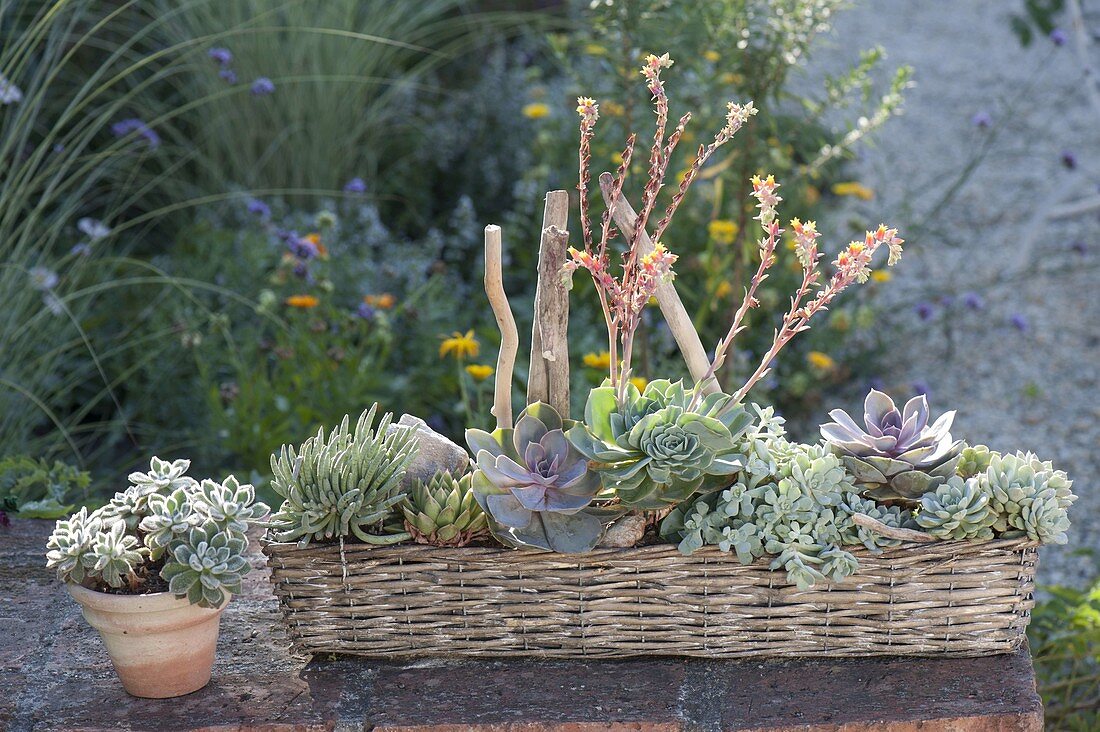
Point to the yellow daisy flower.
(712, 56)
(723, 231)
(639, 382)
(479, 371)
(882, 276)
(853, 188)
(460, 345)
(821, 361)
(536, 110)
(601, 360)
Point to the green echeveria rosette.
(1029, 497)
(207, 567)
(896, 456)
(659, 448)
(957, 510)
(534, 485)
(444, 512)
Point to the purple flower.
(229, 76)
(1079, 246)
(220, 56)
(982, 120)
(134, 125)
(1019, 322)
(43, 279)
(94, 229)
(1069, 159)
(973, 301)
(920, 387)
(258, 208)
(365, 311)
(301, 248)
(301, 270)
(263, 86)
(947, 300)
(924, 310)
(355, 185)
(1058, 37)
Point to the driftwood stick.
(891, 532)
(509, 334)
(548, 380)
(676, 315)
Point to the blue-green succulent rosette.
(534, 485)
(663, 444)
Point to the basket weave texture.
(947, 598)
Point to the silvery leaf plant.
(165, 525)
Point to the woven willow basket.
(949, 598)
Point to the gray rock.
(435, 452)
(625, 533)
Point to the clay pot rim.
(150, 603)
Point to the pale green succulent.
(342, 486)
(170, 517)
(854, 534)
(786, 501)
(444, 512)
(798, 552)
(116, 556)
(744, 541)
(973, 459)
(1029, 497)
(958, 509)
(207, 567)
(663, 444)
(70, 544)
(230, 505)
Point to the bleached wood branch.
(676, 315)
(891, 532)
(548, 379)
(509, 334)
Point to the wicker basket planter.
(947, 598)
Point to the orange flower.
(384, 301)
(302, 301)
(315, 240)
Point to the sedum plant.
(896, 456)
(663, 444)
(345, 485)
(535, 486)
(165, 529)
(444, 512)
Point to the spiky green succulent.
(896, 456)
(535, 487)
(342, 486)
(663, 444)
(206, 567)
(958, 509)
(444, 512)
(1029, 497)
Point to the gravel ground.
(1030, 384)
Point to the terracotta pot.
(160, 646)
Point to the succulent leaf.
(444, 512)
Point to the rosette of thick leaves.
(534, 485)
(897, 456)
(661, 446)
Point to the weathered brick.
(55, 675)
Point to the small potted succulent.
(154, 569)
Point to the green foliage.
(165, 526)
(534, 485)
(444, 512)
(345, 485)
(728, 50)
(1064, 637)
(663, 444)
(31, 488)
(1037, 16)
